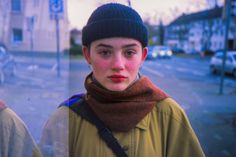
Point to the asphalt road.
(35, 92)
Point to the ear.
(144, 54)
(86, 54)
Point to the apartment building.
(27, 25)
(200, 31)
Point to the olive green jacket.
(164, 132)
(15, 139)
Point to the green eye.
(130, 53)
(105, 53)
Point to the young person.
(15, 139)
(145, 121)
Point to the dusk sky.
(154, 10)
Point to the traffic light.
(233, 7)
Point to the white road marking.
(168, 67)
(198, 73)
(182, 69)
(29, 78)
(218, 137)
(152, 71)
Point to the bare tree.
(128, 2)
(214, 3)
(175, 12)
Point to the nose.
(118, 62)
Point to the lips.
(117, 78)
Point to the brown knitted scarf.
(122, 111)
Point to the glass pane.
(16, 5)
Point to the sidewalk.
(212, 116)
(195, 56)
(214, 119)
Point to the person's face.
(115, 61)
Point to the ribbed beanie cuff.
(114, 20)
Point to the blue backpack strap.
(72, 100)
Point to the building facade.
(201, 31)
(26, 25)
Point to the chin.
(116, 88)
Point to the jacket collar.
(144, 123)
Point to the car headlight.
(162, 53)
(154, 54)
(169, 53)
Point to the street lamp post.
(129, 3)
(226, 17)
(56, 8)
(58, 45)
(30, 27)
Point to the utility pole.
(30, 25)
(129, 3)
(56, 9)
(226, 18)
(58, 45)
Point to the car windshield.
(234, 56)
(161, 48)
(2, 52)
(219, 55)
(150, 48)
(165, 48)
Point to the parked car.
(230, 62)
(177, 50)
(151, 54)
(7, 64)
(159, 52)
(207, 52)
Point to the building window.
(17, 35)
(36, 3)
(16, 5)
(222, 32)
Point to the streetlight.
(129, 3)
(227, 13)
(30, 28)
(56, 9)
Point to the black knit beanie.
(114, 20)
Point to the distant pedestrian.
(15, 139)
(122, 112)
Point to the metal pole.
(227, 22)
(32, 48)
(58, 45)
(129, 3)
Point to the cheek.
(100, 65)
(133, 66)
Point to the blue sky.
(154, 10)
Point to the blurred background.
(192, 56)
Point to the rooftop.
(202, 15)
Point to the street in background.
(7, 64)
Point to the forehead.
(116, 42)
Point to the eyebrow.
(104, 45)
(129, 45)
(109, 46)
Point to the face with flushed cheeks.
(115, 61)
